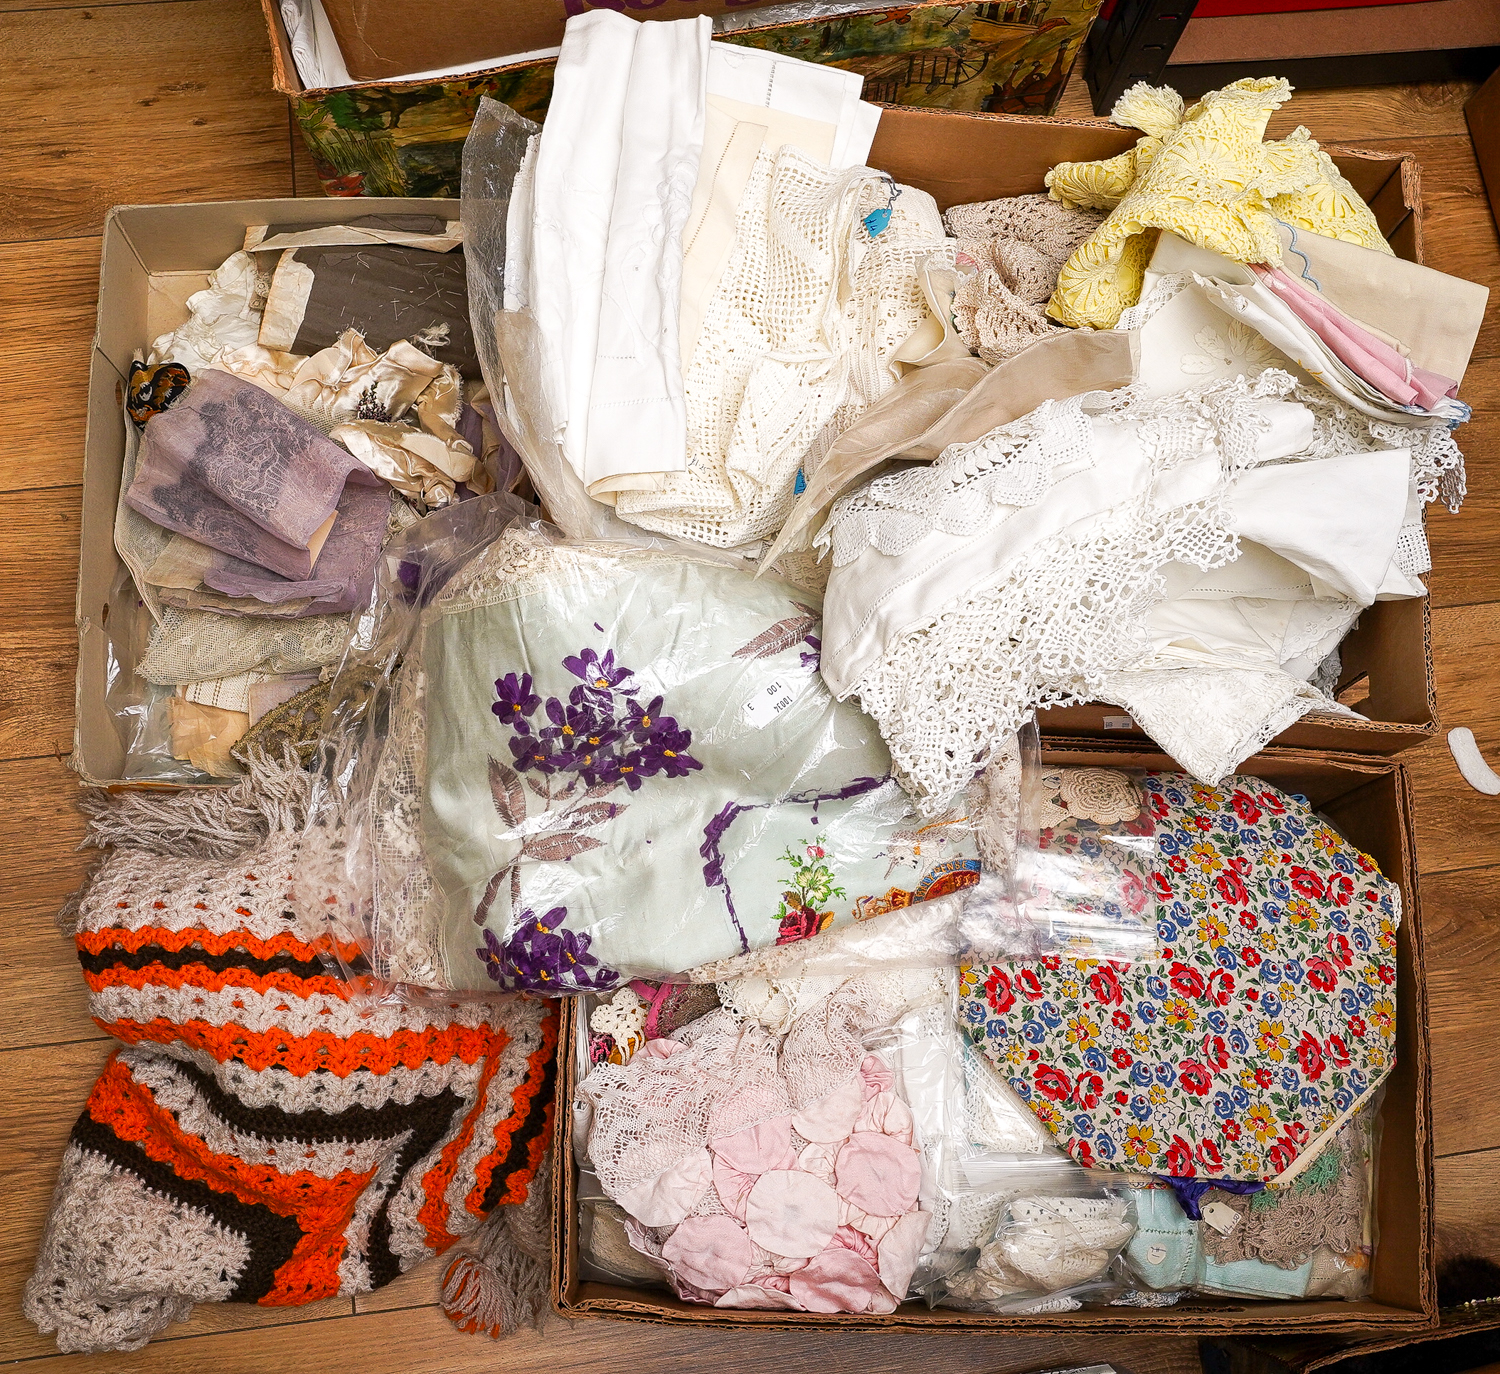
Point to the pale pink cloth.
(1353, 345)
(832, 1229)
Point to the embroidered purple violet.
(604, 733)
(665, 751)
(599, 674)
(641, 720)
(542, 956)
(514, 701)
(535, 755)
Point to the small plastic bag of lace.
(1085, 850)
(963, 1118)
(1311, 1237)
(1030, 1235)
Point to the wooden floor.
(171, 100)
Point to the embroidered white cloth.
(799, 337)
(1024, 569)
(611, 189)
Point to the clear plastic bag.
(1085, 850)
(561, 766)
(761, 1167)
(496, 233)
(1048, 1239)
(1308, 1238)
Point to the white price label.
(770, 701)
(1156, 1254)
(1119, 723)
(1223, 1219)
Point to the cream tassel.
(501, 1284)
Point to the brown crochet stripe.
(153, 956)
(529, 1130)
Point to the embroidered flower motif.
(515, 701)
(813, 885)
(1231, 350)
(541, 956)
(598, 674)
(603, 734)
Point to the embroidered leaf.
(602, 789)
(563, 845)
(780, 637)
(593, 813)
(483, 909)
(509, 796)
(536, 787)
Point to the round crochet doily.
(1099, 794)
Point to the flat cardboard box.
(1471, 1330)
(1370, 801)
(154, 257)
(1367, 45)
(1344, 32)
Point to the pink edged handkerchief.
(758, 1149)
(832, 1116)
(711, 1253)
(889, 1115)
(671, 1195)
(838, 1280)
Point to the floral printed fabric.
(1270, 1015)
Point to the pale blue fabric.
(682, 869)
(1164, 1229)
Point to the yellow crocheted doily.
(1206, 175)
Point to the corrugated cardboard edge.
(1332, 1318)
(1482, 113)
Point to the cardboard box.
(1387, 660)
(1316, 46)
(154, 257)
(1370, 801)
(396, 134)
(1483, 116)
(929, 53)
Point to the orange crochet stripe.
(321, 1207)
(522, 1100)
(301, 1055)
(198, 977)
(433, 1214)
(212, 942)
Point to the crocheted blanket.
(268, 1133)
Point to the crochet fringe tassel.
(276, 795)
(501, 1284)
